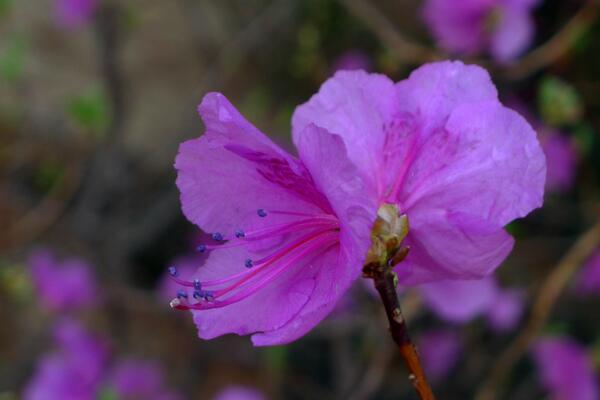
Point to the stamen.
(217, 236)
(260, 263)
(333, 238)
(173, 271)
(201, 248)
(182, 294)
(197, 284)
(261, 213)
(239, 234)
(248, 263)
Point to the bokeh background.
(93, 107)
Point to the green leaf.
(108, 394)
(559, 102)
(275, 357)
(5, 6)
(12, 59)
(90, 111)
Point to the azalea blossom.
(440, 350)
(561, 159)
(565, 369)
(352, 60)
(74, 13)
(239, 392)
(588, 280)
(505, 28)
(74, 370)
(62, 285)
(296, 229)
(442, 148)
(139, 379)
(461, 301)
(290, 235)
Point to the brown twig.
(411, 52)
(556, 46)
(384, 277)
(542, 307)
(403, 48)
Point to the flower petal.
(354, 105)
(485, 161)
(233, 169)
(434, 90)
(267, 309)
(451, 245)
(325, 156)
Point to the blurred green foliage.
(90, 111)
(12, 59)
(559, 103)
(5, 6)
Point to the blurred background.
(95, 97)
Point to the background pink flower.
(502, 27)
(62, 285)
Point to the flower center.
(313, 234)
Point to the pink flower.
(74, 371)
(588, 280)
(561, 159)
(72, 14)
(441, 147)
(239, 392)
(566, 369)
(507, 310)
(461, 301)
(62, 286)
(290, 234)
(352, 60)
(439, 350)
(139, 379)
(504, 27)
(297, 229)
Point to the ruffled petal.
(451, 245)
(356, 106)
(325, 156)
(434, 90)
(233, 169)
(485, 161)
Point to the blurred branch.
(557, 46)
(403, 48)
(41, 217)
(410, 52)
(380, 362)
(542, 307)
(385, 283)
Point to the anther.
(208, 296)
(217, 236)
(198, 294)
(239, 234)
(182, 294)
(261, 213)
(201, 248)
(248, 263)
(197, 284)
(173, 271)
